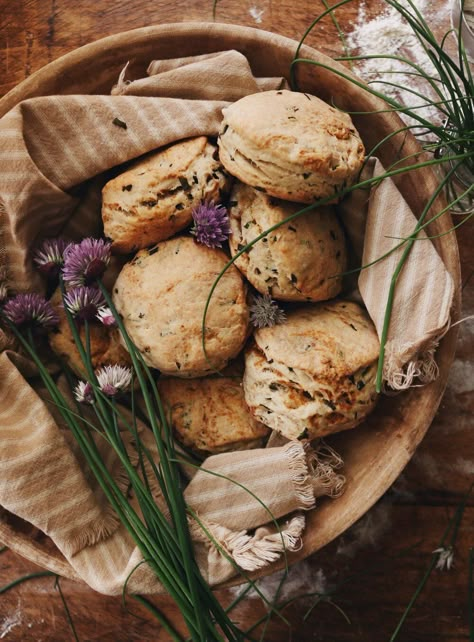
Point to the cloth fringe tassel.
(300, 474)
(252, 552)
(323, 464)
(118, 89)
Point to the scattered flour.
(389, 34)
(467, 24)
(10, 622)
(367, 532)
(302, 578)
(461, 376)
(464, 466)
(256, 14)
(429, 465)
(400, 490)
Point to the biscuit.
(290, 145)
(154, 199)
(161, 295)
(105, 343)
(210, 415)
(314, 374)
(295, 262)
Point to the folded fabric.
(377, 220)
(57, 152)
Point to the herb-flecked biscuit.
(161, 295)
(154, 199)
(291, 145)
(295, 262)
(105, 344)
(314, 374)
(210, 415)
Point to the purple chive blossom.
(84, 262)
(211, 224)
(114, 379)
(264, 312)
(105, 316)
(84, 302)
(31, 310)
(49, 257)
(84, 392)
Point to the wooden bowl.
(376, 452)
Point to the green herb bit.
(119, 123)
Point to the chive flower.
(264, 312)
(85, 262)
(114, 379)
(49, 257)
(84, 393)
(445, 559)
(84, 302)
(31, 310)
(211, 224)
(105, 316)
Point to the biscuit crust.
(105, 343)
(296, 262)
(161, 295)
(210, 415)
(154, 199)
(315, 374)
(291, 145)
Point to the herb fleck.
(183, 181)
(119, 123)
(330, 403)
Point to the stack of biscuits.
(226, 387)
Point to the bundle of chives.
(165, 543)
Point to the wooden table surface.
(379, 562)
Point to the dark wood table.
(377, 565)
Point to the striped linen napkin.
(55, 156)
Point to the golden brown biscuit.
(105, 345)
(154, 199)
(295, 262)
(210, 415)
(161, 295)
(315, 374)
(290, 145)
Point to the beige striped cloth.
(56, 154)
(376, 221)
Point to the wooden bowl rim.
(31, 87)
